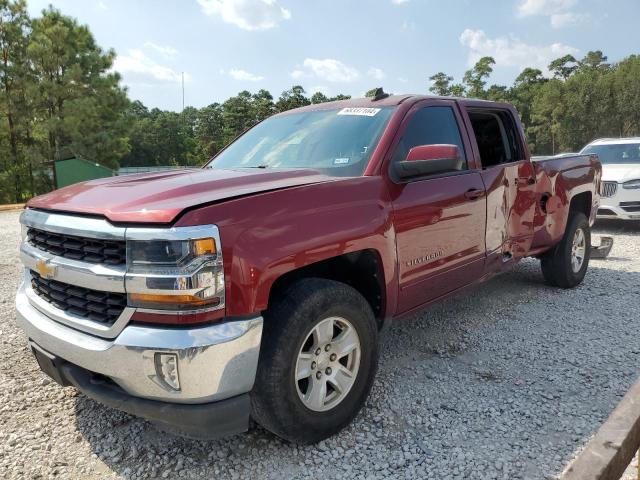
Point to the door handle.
(474, 193)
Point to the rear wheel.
(317, 361)
(566, 264)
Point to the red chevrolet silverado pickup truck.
(257, 285)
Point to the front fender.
(267, 235)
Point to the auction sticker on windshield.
(363, 111)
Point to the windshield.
(618, 153)
(337, 142)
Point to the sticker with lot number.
(362, 111)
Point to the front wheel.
(318, 359)
(566, 264)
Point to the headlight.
(176, 274)
(171, 256)
(631, 184)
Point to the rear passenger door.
(509, 179)
(439, 220)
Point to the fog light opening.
(167, 369)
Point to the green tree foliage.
(563, 67)
(17, 83)
(263, 105)
(59, 97)
(208, 130)
(292, 98)
(475, 79)
(590, 100)
(583, 100)
(440, 84)
(594, 60)
(625, 81)
(319, 97)
(78, 99)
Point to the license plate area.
(49, 364)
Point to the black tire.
(275, 402)
(556, 264)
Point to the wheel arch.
(363, 270)
(582, 202)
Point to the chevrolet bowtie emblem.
(45, 270)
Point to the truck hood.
(620, 172)
(160, 197)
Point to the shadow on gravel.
(510, 379)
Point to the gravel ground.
(507, 381)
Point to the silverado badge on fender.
(45, 270)
(426, 258)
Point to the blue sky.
(338, 46)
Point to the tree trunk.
(13, 137)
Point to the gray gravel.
(506, 381)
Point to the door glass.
(431, 126)
(496, 136)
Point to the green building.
(75, 169)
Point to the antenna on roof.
(376, 94)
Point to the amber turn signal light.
(204, 246)
(191, 300)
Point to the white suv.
(620, 158)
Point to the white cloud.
(137, 65)
(247, 14)
(559, 20)
(376, 73)
(558, 11)
(331, 70)
(166, 51)
(399, 2)
(243, 75)
(402, 80)
(320, 88)
(509, 51)
(297, 74)
(544, 7)
(102, 6)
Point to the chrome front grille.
(102, 307)
(609, 189)
(92, 250)
(75, 271)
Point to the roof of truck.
(368, 102)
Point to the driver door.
(439, 220)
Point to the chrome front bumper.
(215, 362)
(611, 211)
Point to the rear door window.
(497, 137)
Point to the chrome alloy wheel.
(578, 250)
(327, 364)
